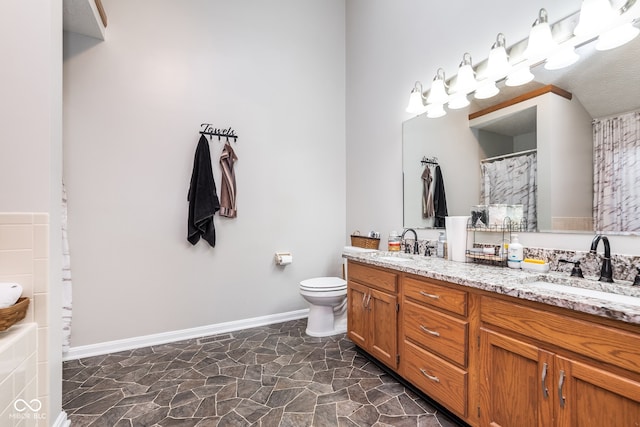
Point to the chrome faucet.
(415, 238)
(606, 272)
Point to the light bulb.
(438, 93)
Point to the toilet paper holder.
(283, 258)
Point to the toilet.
(327, 298)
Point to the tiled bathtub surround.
(18, 380)
(268, 376)
(624, 266)
(24, 259)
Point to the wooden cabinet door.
(357, 314)
(384, 327)
(512, 390)
(591, 397)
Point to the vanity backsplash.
(624, 266)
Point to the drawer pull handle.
(368, 301)
(424, 294)
(364, 301)
(429, 331)
(560, 386)
(431, 377)
(545, 390)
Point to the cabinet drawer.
(437, 378)
(603, 343)
(439, 333)
(435, 295)
(375, 277)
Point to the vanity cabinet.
(372, 311)
(546, 369)
(495, 360)
(434, 340)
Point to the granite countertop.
(621, 301)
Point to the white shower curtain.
(66, 278)
(512, 181)
(616, 177)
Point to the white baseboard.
(62, 420)
(184, 334)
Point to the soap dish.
(533, 266)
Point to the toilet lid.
(324, 284)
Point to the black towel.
(439, 200)
(203, 199)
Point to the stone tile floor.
(268, 376)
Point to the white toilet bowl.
(327, 298)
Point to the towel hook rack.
(209, 130)
(429, 160)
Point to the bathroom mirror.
(605, 83)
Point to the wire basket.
(13, 314)
(364, 241)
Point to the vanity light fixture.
(416, 100)
(540, 38)
(498, 63)
(438, 93)
(597, 19)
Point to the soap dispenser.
(515, 253)
(440, 245)
(636, 282)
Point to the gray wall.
(133, 105)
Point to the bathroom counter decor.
(364, 241)
(11, 315)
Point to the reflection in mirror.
(602, 83)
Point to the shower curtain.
(66, 277)
(512, 181)
(616, 177)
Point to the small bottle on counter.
(515, 253)
(394, 241)
(440, 245)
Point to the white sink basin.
(394, 259)
(606, 296)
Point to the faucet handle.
(576, 271)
